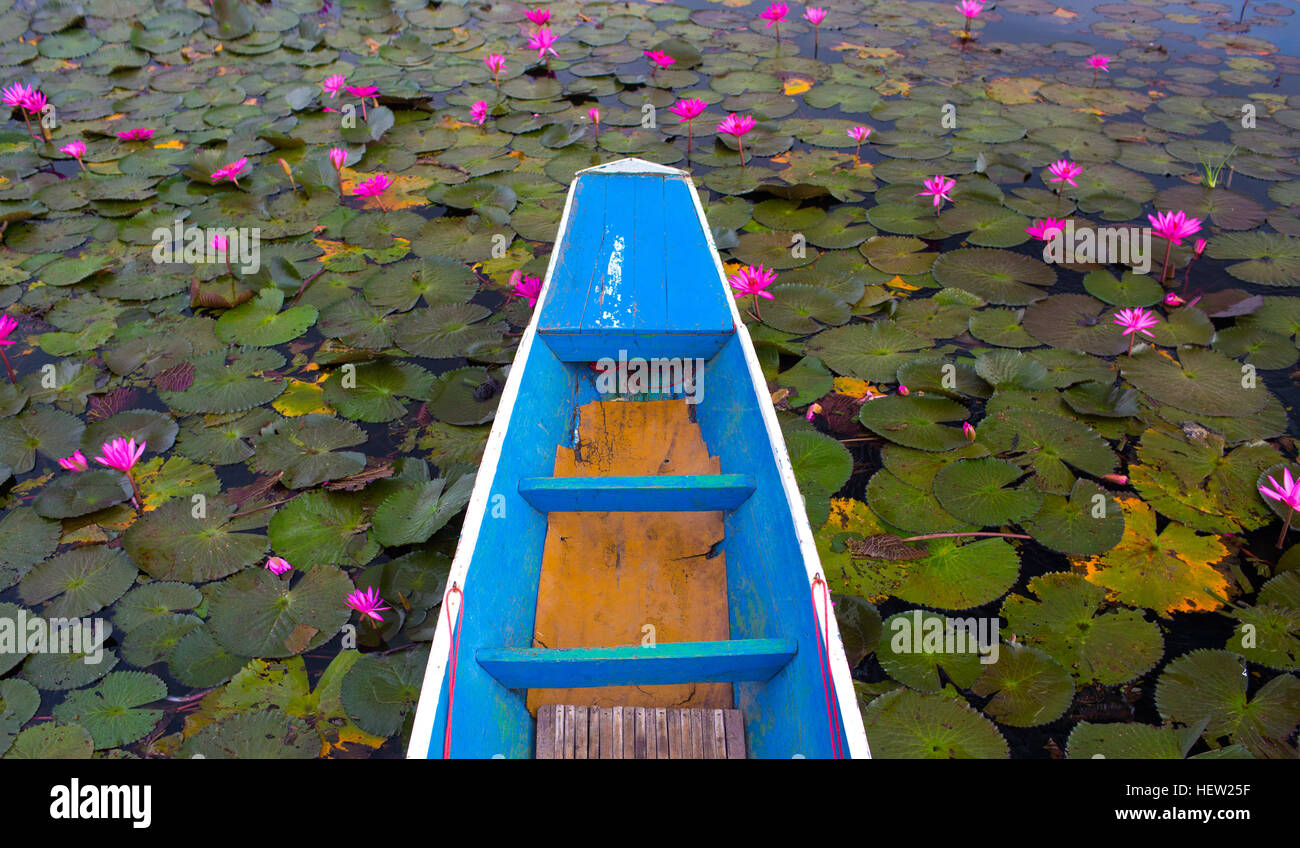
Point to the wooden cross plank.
(641, 733)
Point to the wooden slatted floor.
(569, 732)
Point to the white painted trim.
(841, 675)
(633, 165)
(439, 654)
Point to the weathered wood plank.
(735, 726)
(629, 733)
(606, 733)
(640, 733)
(580, 740)
(661, 733)
(697, 735)
(719, 735)
(546, 733)
(569, 722)
(706, 733)
(675, 734)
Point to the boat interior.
(637, 588)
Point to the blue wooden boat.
(636, 575)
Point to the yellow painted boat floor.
(620, 578)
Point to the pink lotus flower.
(367, 603)
(858, 134)
(231, 172)
(938, 188)
(538, 16)
(970, 8)
(220, 243)
(76, 149)
(594, 114)
(1172, 299)
(1099, 62)
(120, 454)
(1174, 226)
(774, 14)
(541, 41)
(16, 94)
(659, 58)
(76, 462)
(332, 84)
(1117, 479)
(814, 16)
(1064, 171)
(1135, 321)
(904, 390)
(278, 566)
(362, 91)
(1199, 247)
(478, 112)
(526, 286)
(496, 63)
(688, 109)
(34, 101)
(137, 134)
(968, 431)
(7, 326)
(753, 280)
(374, 187)
(813, 411)
(1044, 230)
(737, 125)
(1288, 492)
(338, 156)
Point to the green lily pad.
(19, 701)
(78, 582)
(171, 543)
(1208, 684)
(1067, 621)
(256, 614)
(1027, 686)
(959, 576)
(465, 396)
(977, 491)
(416, 512)
(910, 725)
(112, 710)
(322, 527)
(1201, 381)
(1087, 523)
(305, 450)
(379, 691)
(871, 352)
(260, 323)
(266, 735)
(1271, 259)
(915, 422)
(51, 741)
(29, 539)
(916, 645)
(998, 276)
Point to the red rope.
(824, 660)
(451, 665)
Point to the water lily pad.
(1129, 290)
(910, 725)
(1170, 571)
(465, 396)
(198, 660)
(260, 323)
(229, 381)
(1086, 523)
(78, 582)
(379, 691)
(1271, 259)
(266, 735)
(29, 539)
(322, 527)
(19, 701)
(1075, 322)
(911, 508)
(416, 512)
(915, 422)
(1049, 445)
(959, 576)
(305, 450)
(112, 710)
(1027, 686)
(172, 543)
(1208, 684)
(977, 491)
(1067, 621)
(1202, 381)
(998, 276)
(257, 614)
(871, 352)
(916, 645)
(51, 741)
